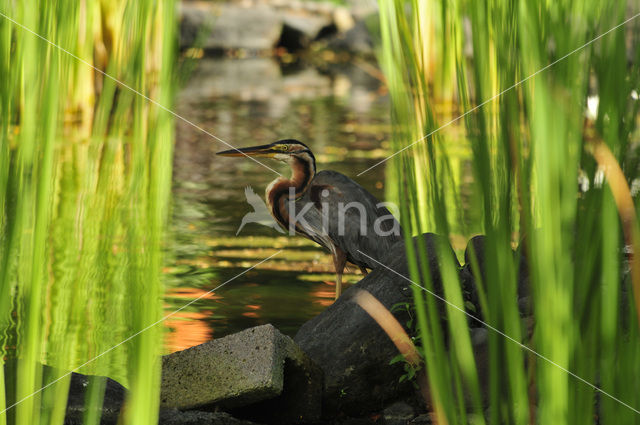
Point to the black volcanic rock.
(350, 347)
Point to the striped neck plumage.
(303, 170)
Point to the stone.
(299, 402)
(177, 417)
(424, 419)
(480, 334)
(398, 413)
(350, 347)
(355, 40)
(114, 396)
(112, 402)
(309, 25)
(354, 421)
(241, 370)
(480, 346)
(476, 246)
(229, 26)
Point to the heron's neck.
(303, 169)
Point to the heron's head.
(283, 150)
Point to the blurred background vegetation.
(528, 145)
(85, 179)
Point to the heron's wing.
(349, 216)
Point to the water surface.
(341, 114)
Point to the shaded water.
(342, 115)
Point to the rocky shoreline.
(262, 28)
(337, 369)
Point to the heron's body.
(328, 208)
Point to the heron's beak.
(262, 150)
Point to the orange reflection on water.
(188, 328)
(252, 314)
(324, 296)
(192, 293)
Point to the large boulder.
(476, 248)
(475, 255)
(350, 347)
(258, 369)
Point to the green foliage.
(410, 371)
(85, 178)
(527, 147)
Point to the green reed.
(527, 147)
(85, 177)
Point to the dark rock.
(299, 402)
(355, 40)
(475, 250)
(424, 419)
(475, 247)
(177, 417)
(373, 420)
(307, 24)
(399, 413)
(114, 396)
(470, 294)
(350, 347)
(244, 369)
(300, 28)
(479, 333)
(480, 347)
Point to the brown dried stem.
(622, 196)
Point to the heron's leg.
(339, 261)
(363, 269)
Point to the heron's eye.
(285, 147)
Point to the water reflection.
(247, 102)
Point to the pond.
(341, 114)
